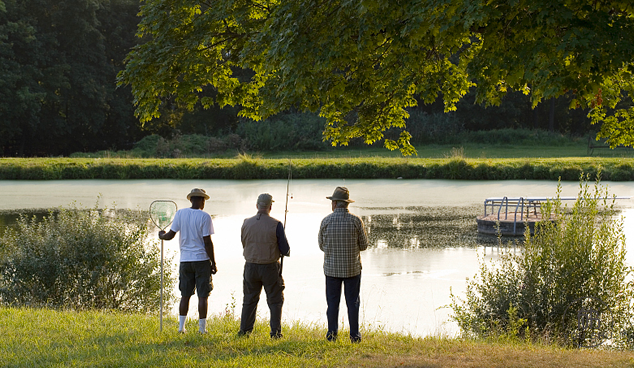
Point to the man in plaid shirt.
(342, 237)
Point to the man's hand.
(166, 236)
(214, 269)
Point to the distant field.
(467, 150)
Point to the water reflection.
(424, 227)
(423, 237)
(9, 218)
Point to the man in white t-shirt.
(197, 261)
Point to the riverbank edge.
(45, 337)
(568, 169)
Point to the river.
(423, 237)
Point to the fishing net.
(162, 213)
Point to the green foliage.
(449, 128)
(290, 132)
(59, 60)
(579, 254)
(186, 146)
(83, 259)
(362, 64)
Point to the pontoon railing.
(520, 204)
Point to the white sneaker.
(182, 331)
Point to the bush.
(436, 128)
(185, 145)
(82, 259)
(577, 257)
(282, 132)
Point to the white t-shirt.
(193, 225)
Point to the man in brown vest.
(264, 242)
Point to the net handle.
(162, 201)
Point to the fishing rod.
(288, 184)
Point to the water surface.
(422, 232)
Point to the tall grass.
(250, 167)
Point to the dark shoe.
(355, 339)
(276, 335)
(244, 333)
(331, 336)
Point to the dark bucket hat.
(341, 194)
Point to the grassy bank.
(40, 337)
(245, 167)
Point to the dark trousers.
(256, 276)
(352, 287)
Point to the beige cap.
(265, 199)
(197, 192)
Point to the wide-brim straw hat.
(341, 194)
(197, 192)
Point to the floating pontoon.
(513, 214)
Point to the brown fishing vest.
(259, 239)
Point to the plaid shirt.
(341, 238)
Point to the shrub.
(436, 128)
(292, 131)
(146, 147)
(185, 145)
(82, 259)
(578, 256)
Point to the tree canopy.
(361, 64)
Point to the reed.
(44, 337)
(250, 167)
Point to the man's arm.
(282, 242)
(209, 248)
(320, 236)
(362, 239)
(166, 236)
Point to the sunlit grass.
(40, 337)
(454, 163)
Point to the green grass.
(249, 167)
(468, 162)
(42, 337)
(577, 148)
(469, 150)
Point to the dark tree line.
(59, 61)
(58, 64)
